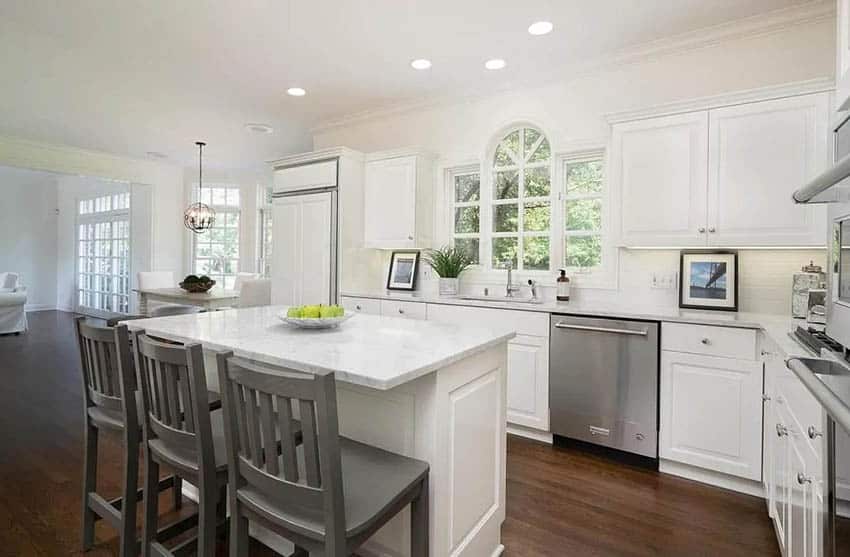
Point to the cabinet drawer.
(410, 310)
(362, 305)
(727, 342)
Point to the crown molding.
(818, 85)
(775, 21)
(315, 156)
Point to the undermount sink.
(505, 299)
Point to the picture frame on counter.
(403, 270)
(708, 279)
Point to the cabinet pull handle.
(803, 479)
(357, 307)
(766, 353)
(410, 237)
(765, 398)
(701, 230)
(813, 433)
(706, 341)
(712, 230)
(563, 325)
(400, 310)
(781, 430)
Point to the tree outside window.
(583, 196)
(466, 231)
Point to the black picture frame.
(686, 298)
(400, 257)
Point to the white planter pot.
(448, 286)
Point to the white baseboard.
(528, 433)
(716, 479)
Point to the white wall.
(28, 232)
(572, 113)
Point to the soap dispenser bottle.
(563, 287)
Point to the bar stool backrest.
(99, 362)
(258, 410)
(174, 394)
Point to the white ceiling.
(133, 76)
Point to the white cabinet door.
(842, 57)
(314, 175)
(779, 470)
(390, 203)
(657, 173)
(711, 413)
(528, 357)
(759, 153)
(804, 534)
(303, 256)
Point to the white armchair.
(13, 299)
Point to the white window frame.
(263, 236)
(451, 174)
(220, 211)
(605, 275)
(94, 217)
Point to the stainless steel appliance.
(603, 383)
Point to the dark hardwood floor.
(559, 502)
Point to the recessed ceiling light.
(156, 155)
(259, 128)
(495, 64)
(420, 64)
(540, 27)
(296, 91)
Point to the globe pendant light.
(199, 217)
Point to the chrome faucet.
(532, 285)
(510, 288)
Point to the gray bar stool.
(180, 432)
(110, 404)
(328, 495)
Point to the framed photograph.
(708, 280)
(404, 266)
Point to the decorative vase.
(448, 286)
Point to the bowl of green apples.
(315, 317)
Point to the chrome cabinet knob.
(701, 230)
(765, 398)
(781, 430)
(410, 237)
(803, 479)
(712, 230)
(357, 307)
(400, 310)
(706, 341)
(813, 433)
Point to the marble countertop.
(624, 311)
(368, 350)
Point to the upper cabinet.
(398, 200)
(842, 57)
(658, 167)
(721, 177)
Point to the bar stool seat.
(374, 482)
(114, 419)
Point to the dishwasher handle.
(564, 325)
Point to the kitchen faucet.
(510, 288)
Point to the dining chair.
(255, 292)
(241, 278)
(110, 404)
(327, 496)
(162, 279)
(180, 432)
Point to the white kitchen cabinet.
(528, 357)
(842, 56)
(398, 200)
(408, 310)
(302, 266)
(361, 305)
(711, 413)
(657, 174)
(721, 177)
(307, 176)
(759, 154)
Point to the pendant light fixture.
(199, 217)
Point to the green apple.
(294, 311)
(311, 312)
(326, 312)
(339, 311)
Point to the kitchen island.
(433, 391)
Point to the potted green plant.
(448, 262)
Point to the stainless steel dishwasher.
(603, 384)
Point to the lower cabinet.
(711, 412)
(528, 357)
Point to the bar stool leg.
(238, 530)
(207, 514)
(151, 497)
(89, 484)
(419, 522)
(129, 548)
(178, 492)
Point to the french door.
(103, 254)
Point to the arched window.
(521, 201)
